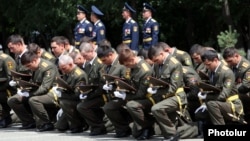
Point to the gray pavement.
(14, 134)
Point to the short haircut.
(209, 55)
(229, 52)
(14, 39)
(163, 45)
(60, 40)
(125, 55)
(33, 47)
(28, 57)
(65, 59)
(154, 51)
(103, 51)
(121, 47)
(196, 48)
(86, 47)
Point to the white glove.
(202, 96)
(82, 96)
(121, 95)
(23, 94)
(12, 83)
(59, 114)
(57, 92)
(107, 87)
(203, 107)
(151, 90)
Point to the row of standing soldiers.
(130, 29)
(117, 88)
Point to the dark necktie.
(18, 60)
(212, 77)
(234, 70)
(160, 68)
(108, 68)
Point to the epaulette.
(99, 24)
(180, 52)
(87, 21)
(145, 67)
(99, 61)
(153, 20)
(225, 68)
(245, 65)
(184, 70)
(173, 60)
(44, 64)
(78, 72)
(46, 54)
(4, 55)
(132, 21)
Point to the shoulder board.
(180, 52)
(145, 67)
(99, 61)
(132, 21)
(4, 55)
(44, 64)
(78, 71)
(173, 60)
(86, 21)
(245, 65)
(48, 55)
(225, 68)
(153, 20)
(184, 70)
(99, 24)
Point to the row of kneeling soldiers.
(108, 89)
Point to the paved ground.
(14, 134)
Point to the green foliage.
(227, 38)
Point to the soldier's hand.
(202, 95)
(13, 83)
(56, 91)
(202, 108)
(119, 94)
(82, 96)
(107, 87)
(23, 94)
(152, 90)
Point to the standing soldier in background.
(33, 47)
(150, 29)
(84, 27)
(99, 31)
(130, 33)
(7, 63)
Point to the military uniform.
(183, 57)
(90, 108)
(7, 63)
(174, 96)
(19, 67)
(191, 78)
(242, 79)
(131, 34)
(70, 99)
(99, 31)
(227, 101)
(136, 77)
(48, 56)
(44, 76)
